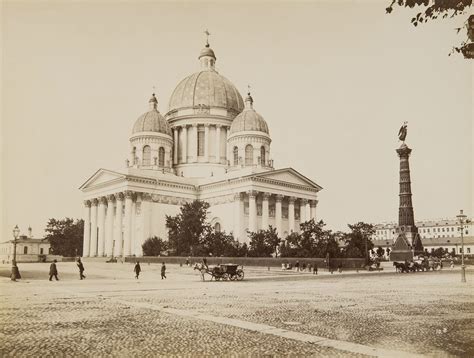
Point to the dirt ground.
(270, 313)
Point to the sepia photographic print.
(237, 178)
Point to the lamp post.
(15, 271)
(461, 217)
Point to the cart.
(226, 272)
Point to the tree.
(154, 246)
(65, 236)
(218, 243)
(312, 241)
(442, 9)
(263, 243)
(358, 241)
(186, 230)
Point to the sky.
(334, 80)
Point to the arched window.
(249, 155)
(146, 159)
(262, 155)
(217, 227)
(236, 156)
(134, 155)
(161, 157)
(25, 250)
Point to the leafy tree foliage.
(218, 243)
(312, 241)
(264, 243)
(65, 236)
(186, 230)
(434, 9)
(358, 241)
(154, 246)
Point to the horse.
(400, 267)
(201, 268)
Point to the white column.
(291, 215)
(175, 152)
(252, 210)
(307, 211)
(265, 215)
(237, 216)
(218, 143)
(101, 226)
(93, 246)
(313, 204)
(303, 210)
(278, 200)
(109, 226)
(145, 213)
(184, 150)
(118, 236)
(87, 229)
(226, 128)
(206, 143)
(127, 235)
(194, 151)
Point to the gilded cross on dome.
(207, 37)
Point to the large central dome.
(206, 88)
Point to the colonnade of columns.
(108, 223)
(186, 143)
(283, 207)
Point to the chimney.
(30, 235)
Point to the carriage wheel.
(217, 278)
(233, 277)
(225, 276)
(240, 275)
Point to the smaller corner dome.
(249, 120)
(152, 121)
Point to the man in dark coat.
(137, 269)
(81, 268)
(163, 270)
(53, 271)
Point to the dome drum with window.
(249, 139)
(151, 141)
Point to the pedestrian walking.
(81, 269)
(163, 270)
(53, 271)
(137, 269)
(297, 266)
(315, 269)
(339, 267)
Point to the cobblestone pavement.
(112, 314)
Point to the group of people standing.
(137, 269)
(53, 270)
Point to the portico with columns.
(211, 145)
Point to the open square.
(269, 313)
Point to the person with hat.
(53, 271)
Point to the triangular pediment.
(288, 175)
(101, 177)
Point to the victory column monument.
(407, 242)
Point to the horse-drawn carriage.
(418, 265)
(224, 272)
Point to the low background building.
(439, 233)
(28, 249)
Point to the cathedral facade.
(211, 145)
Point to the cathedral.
(211, 145)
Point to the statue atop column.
(402, 133)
